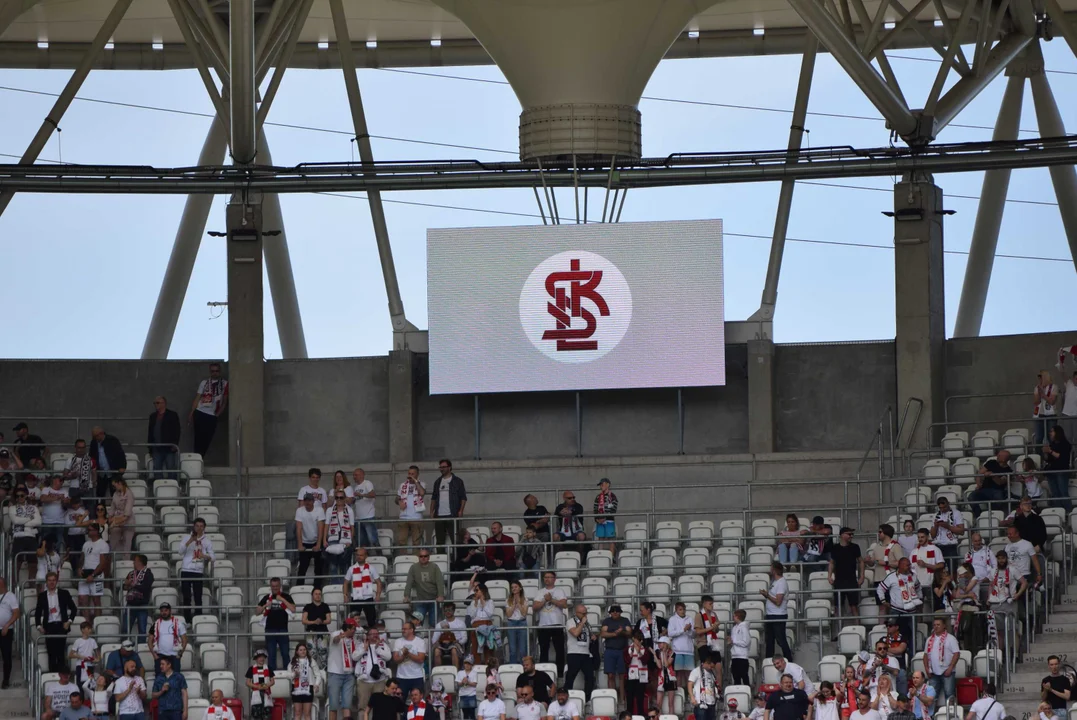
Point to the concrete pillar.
(919, 299)
(402, 408)
(761, 434)
(246, 336)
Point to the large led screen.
(576, 307)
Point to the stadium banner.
(576, 307)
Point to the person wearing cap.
(901, 709)
(29, 446)
(562, 708)
(897, 647)
(58, 696)
(846, 572)
(309, 531)
(52, 616)
(666, 681)
(467, 683)
(260, 683)
(615, 631)
(605, 508)
(167, 638)
(344, 651)
(170, 691)
(117, 659)
(526, 707)
(815, 543)
(578, 641)
(732, 711)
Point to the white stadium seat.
(984, 443)
(954, 444)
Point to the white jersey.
(222, 712)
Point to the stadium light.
(693, 34)
(42, 44)
(435, 42)
(371, 44)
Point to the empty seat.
(658, 588)
(753, 609)
(1015, 440)
(700, 533)
(731, 532)
(851, 639)
(690, 585)
(936, 470)
(635, 535)
(723, 584)
(831, 668)
(599, 563)
(191, 465)
(917, 499)
(756, 581)
(664, 561)
(985, 443)
(594, 589)
(166, 492)
(765, 532)
(173, 519)
(223, 680)
(212, 656)
(628, 561)
(954, 444)
(603, 702)
(205, 628)
(965, 469)
(277, 567)
(668, 533)
(760, 558)
(199, 492)
(567, 563)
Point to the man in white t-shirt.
(411, 499)
(309, 531)
(800, 678)
(457, 628)
(983, 563)
(491, 708)
(313, 487)
(948, 528)
(526, 707)
(1023, 559)
(9, 615)
(129, 691)
(776, 607)
(987, 707)
(209, 404)
(578, 640)
(941, 653)
(58, 697)
(863, 708)
(344, 651)
(561, 708)
(367, 532)
(96, 557)
(409, 653)
(926, 559)
(167, 638)
(549, 607)
(703, 687)
(53, 513)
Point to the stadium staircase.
(1021, 692)
(15, 701)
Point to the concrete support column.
(402, 406)
(246, 334)
(761, 435)
(919, 299)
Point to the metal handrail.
(975, 396)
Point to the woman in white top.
(883, 696)
(486, 638)
(1045, 397)
(467, 681)
(516, 616)
(825, 702)
(1069, 407)
(1030, 480)
(907, 539)
(340, 482)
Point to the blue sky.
(97, 261)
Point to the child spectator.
(437, 698)
(85, 651)
(259, 682)
(467, 680)
(493, 676)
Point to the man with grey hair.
(111, 460)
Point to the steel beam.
(863, 73)
(241, 75)
(10, 10)
(970, 309)
(362, 139)
(1064, 24)
(967, 88)
(1063, 177)
(185, 247)
(282, 62)
(293, 343)
(182, 19)
(785, 196)
(52, 120)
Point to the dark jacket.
(68, 609)
(117, 459)
(457, 494)
(170, 428)
(1031, 527)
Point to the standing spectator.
(880, 665)
(653, 626)
(788, 703)
(168, 639)
(409, 654)
(260, 683)
(121, 516)
(947, 529)
(81, 471)
(367, 531)
(54, 498)
(491, 708)
(343, 652)
(703, 688)
(449, 499)
(740, 640)
(316, 618)
(75, 538)
(846, 573)
(615, 631)
(305, 683)
(197, 551)
(424, 587)
(410, 498)
(578, 641)
(388, 704)
(25, 525)
(666, 689)
(1069, 411)
(210, 402)
(537, 517)
(372, 670)
(549, 604)
(111, 460)
(53, 615)
(966, 601)
(983, 563)
(363, 588)
(605, 508)
(1031, 480)
(275, 608)
(516, 618)
(817, 542)
(170, 691)
(791, 540)
(130, 693)
(537, 680)
(941, 654)
(681, 630)
(987, 707)
(500, 551)
(467, 681)
(1029, 524)
(568, 517)
(884, 555)
(900, 593)
(486, 638)
(1045, 397)
(776, 611)
(337, 535)
(9, 467)
(309, 530)
(637, 661)
(897, 647)
(84, 651)
(1023, 558)
(1057, 689)
(313, 487)
(1056, 465)
(800, 678)
(163, 435)
(1007, 587)
(825, 704)
(29, 446)
(137, 588)
(942, 590)
(926, 559)
(340, 482)
(863, 707)
(96, 561)
(10, 612)
(992, 485)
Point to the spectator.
(58, 697)
(941, 654)
(652, 626)
(1031, 480)
(1057, 689)
(260, 680)
(703, 688)
(424, 589)
(884, 555)
(30, 446)
(450, 637)
(732, 712)
(983, 564)
(469, 557)
(76, 710)
(81, 470)
(486, 638)
(987, 707)
(1029, 524)
(84, 651)
(846, 573)
(130, 693)
(605, 508)
(563, 708)
(10, 612)
(537, 680)
(847, 688)
(33, 481)
(363, 588)
(942, 587)
(99, 694)
(500, 550)
(313, 487)
(638, 659)
(816, 542)
(118, 659)
(549, 605)
(966, 600)
(170, 691)
(217, 710)
(800, 678)
(25, 524)
(197, 551)
(137, 588)
(537, 517)
(526, 707)
(578, 638)
(532, 552)
(992, 485)
(365, 510)
(100, 518)
(615, 631)
(776, 611)
(163, 435)
(9, 468)
(516, 618)
(387, 705)
(121, 516)
(209, 404)
(569, 520)
(740, 641)
(1007, 587)
(681, 631)
(317, 615)
(863, 707)
(340, 482)
(410, 499)
(901, 709)
(1045, 397)
(926, 559)
(343, 652)
(897, 647)
(791, 540)
(825, 704)
(372, 670)
(665, 660)
(416, 705)
(409, 653)
(467, 680)
(449, 500)
(1023, 559)
(304, 672)
(75, 536)
(168, 639)
(1057, 467)
(337, 535)
(947, 529)
(880, 665)
(48, 560)
(1046, 712)
(275, 608)
(53, 500)
(491, 708)
(309, 530)
(96, 561)
(111, 460)
(900, 593)
(1069, 411)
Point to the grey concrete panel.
(716, 418)
(445, 424)
(550, 430)
(629, 422)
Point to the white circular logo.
(575, 307)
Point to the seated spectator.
(880, 665)
(1032, 481)
(537, 517)
(526, 707)
(993, 484)
(537, 680)
(500, 551)
(791, 540)
(1023, 557)
(568, 521)
(815, 542)
(1029, 524)
(605, 508)
(450, 637)
(30, 446)
(1057, 467)
(469, 556)
(532, 553)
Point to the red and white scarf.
(216, 713)
(886, 555)
(417, 711)
(603, 499)
(362, 582)
(260, 675)
(301, 676)
(931, 644)
(710, 619)
(347, 647)
(1001, 590)
(340, 526)
(905, 586)
(175, 632)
